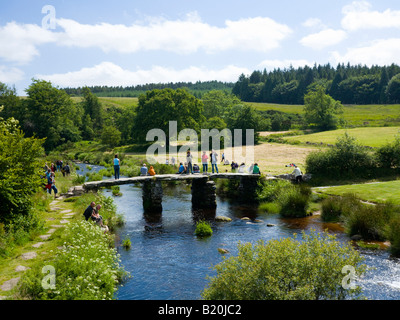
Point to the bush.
(203, 229)
(336, 208)
(20, 171)
(287, 269)
(370, 221)
(294, 200)
(347, 159)
(393, 235)
(389, 154)
(269, 189)
(330, 209)
(116, 191)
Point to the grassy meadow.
(367, 136)
(376, 192)
(354, 115)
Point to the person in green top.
(256, 169)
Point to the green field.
(370, 136)
(376, 192)
(354, 115)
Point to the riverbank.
(21, 271)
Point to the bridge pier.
(203, 194)
(152, 193)
(247, 189)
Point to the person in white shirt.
(298, 175)
(214, 160)
(241, 168)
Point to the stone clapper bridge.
(203, 188)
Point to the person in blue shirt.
(116, 167)
(143, 170)
(181, 168)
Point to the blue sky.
(126, 43)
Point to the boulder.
(223, 251)
(222, 219)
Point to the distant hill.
(197, 89)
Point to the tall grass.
(294, 201)
(283, 197)
(371, 222)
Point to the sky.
(126, 43)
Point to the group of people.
(189, 168)
(50, 174)
(92, 212)
(58, 167)
(144, 171)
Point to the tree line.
(50, 113)
(197, 89)
(349, 84)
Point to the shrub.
(20, 171)
(393, 235)
(116, 191)
(126, 243)
(389, 154)
(336, 208)
(203, 229)
(294, 200)
(286, 269)
(331, 209)
(269, 189)
(348, 159)
(370, 221)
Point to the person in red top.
(204, 159)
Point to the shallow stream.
(168, 262)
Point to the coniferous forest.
(348, 84)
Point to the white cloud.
(18, 42)
(358, 16)
(323, 39)
(313, 22)
(379, 52)
(179, 36)
(276, 63)
(110, 74)
(10, 75)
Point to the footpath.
(41, 249)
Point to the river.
(168, 262)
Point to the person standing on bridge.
(204, 161)
(189, 162)
(214, 161)
(116, 167)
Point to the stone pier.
(247, 189)
(203, 188)
(204, 194)
(152, 193)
